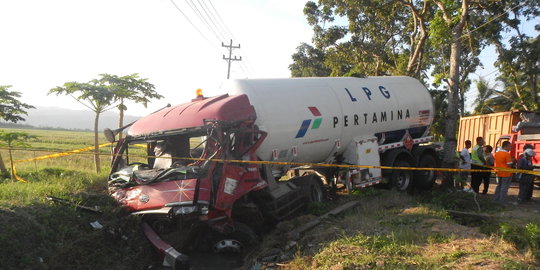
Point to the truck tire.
(316, 192)
(241, 239)
(425, 179)
(313, 187)
(402, 180)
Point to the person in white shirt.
(464, 163)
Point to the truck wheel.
(402, 179)
(313, 186)
(241, 239)
(425, 179)
(316, 192)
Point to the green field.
(390, 230)
(49, 142)
(36, 233)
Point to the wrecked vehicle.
(211, 174)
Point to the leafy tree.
(95, 96)
(308, 61)
(13, 139)
(380, 38)
(484, 103)
(129, 87)
(519, 67)
(440, 105)
(11, 110)
(408, 37)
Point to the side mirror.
(110, 135)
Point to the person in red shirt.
(503, 159)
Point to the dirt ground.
(275, 245)
(513, 194)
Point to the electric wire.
(201, 17)
(187, 18)
(244, 65)
(493, 19)
(221, 19)
(211, 18)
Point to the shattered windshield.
(142, 161)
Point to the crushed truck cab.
(206, 174)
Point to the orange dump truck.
(518, 127)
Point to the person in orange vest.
(503, 159)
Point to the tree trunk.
(452, 113)
(3, 170)
(96, 143)
(11, 164)
(121, 117)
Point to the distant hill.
(55, 117)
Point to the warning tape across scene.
(298, 164)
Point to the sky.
(47, 43)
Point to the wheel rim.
(403, 180)
(228, 245)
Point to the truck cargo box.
(489, 126)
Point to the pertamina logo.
(307, 123)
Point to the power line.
(198, 13)
(219, 30)
(225, 25)
(211, 18)
(248, 66)
(186, 17)
(245, 66)
(493, 19)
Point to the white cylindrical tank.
(312, 119)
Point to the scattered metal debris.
(96, 225)
(94, 209)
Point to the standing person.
(503, 159)
(526, 181)
(490, 161)
(477, 156)
(465, 163)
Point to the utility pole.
(229, 59)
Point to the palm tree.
(483, 102)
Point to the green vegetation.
(396, 231)
(48, 142)
(36, 233)
(388, 230)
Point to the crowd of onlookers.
(481, 157)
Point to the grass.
(50, 142)
(39, 234)
(391, 230)
(388, 230)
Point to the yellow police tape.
(299, 164)
(491, 169)
(56, 155)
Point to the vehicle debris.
(96, 225)
(94, 209)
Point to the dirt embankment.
(388, 220)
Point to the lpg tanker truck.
(210, 173)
